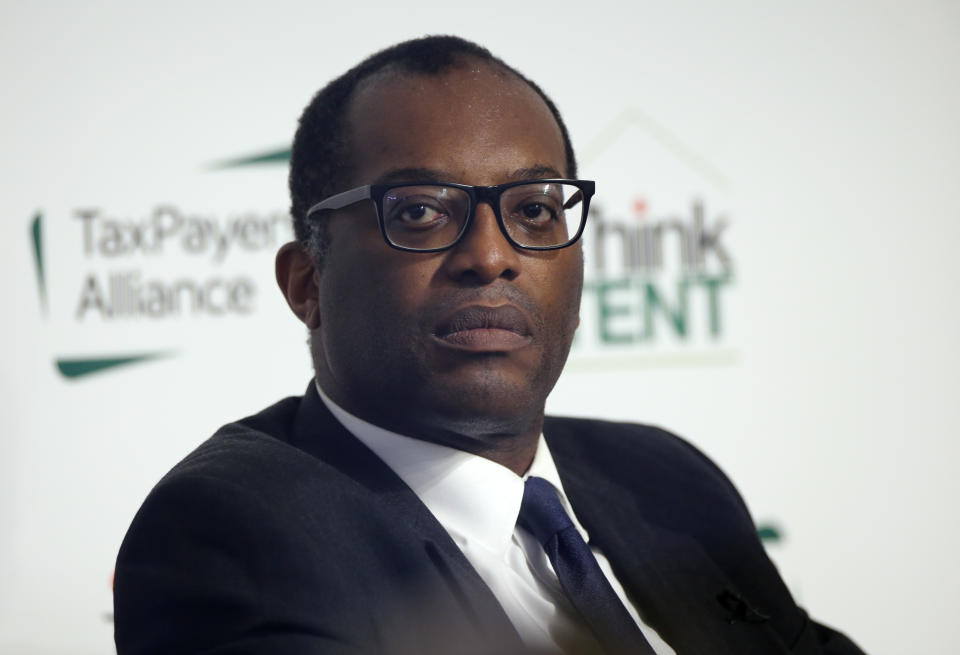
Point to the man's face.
(466, 342)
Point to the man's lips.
(483, 328)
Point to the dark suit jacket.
(283, 534)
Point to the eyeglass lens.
(427, 216)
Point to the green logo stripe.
(36, 233)
(78, 368)
(270, 157)
(769, 532)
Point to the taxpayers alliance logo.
(153, 279)
(658, 268)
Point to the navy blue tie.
(543, 516)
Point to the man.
(415, 499)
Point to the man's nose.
(483, 254)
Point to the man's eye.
(418, 214)
(537, 212)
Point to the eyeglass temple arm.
(340, 200)
(574, 199)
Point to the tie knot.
(541, 512)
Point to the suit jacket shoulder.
(673, 483)
(284, 534)
(681, 539)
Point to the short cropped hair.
(320, 156)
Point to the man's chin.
(486, 410)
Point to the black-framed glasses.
(433, 216)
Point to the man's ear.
(296, 275)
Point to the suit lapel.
(673, 583)
(316, 431)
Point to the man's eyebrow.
(413, 175)
(535, 172)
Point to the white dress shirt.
(478, 501)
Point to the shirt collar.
(475, 499)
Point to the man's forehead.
(469, 82)
(397, 115)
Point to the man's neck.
(511, 444)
